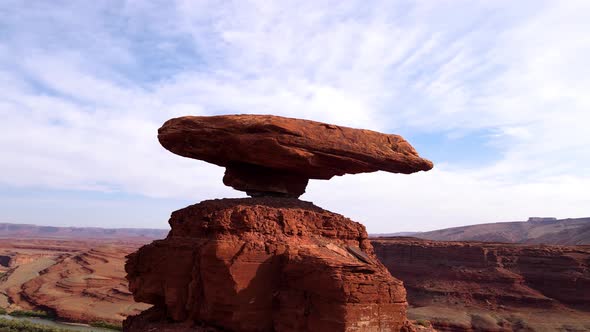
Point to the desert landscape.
(294, 166)
(68, 276)
(451, 285)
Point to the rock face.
(492, 273)
(265, 154)
(263, 264)
(496, 278)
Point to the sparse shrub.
(107, 325)
(518, 323)
(2, 311)
(483, 322)
(31, 313)
(423, 322)
(7, 325)
(571, 328)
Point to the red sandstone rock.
(495, 277)
(263, 264)
(491, 272)
(261, 181)
(286, 152)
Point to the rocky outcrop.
(14, 259)
(271, 262)
(495, 278)
(263, 264)
(270, 154)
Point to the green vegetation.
(31, 313)
(7, 325)
(518, 323)
(423, 322)
(19, 325)
(107, 325)
(484, 322)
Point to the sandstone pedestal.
(263, 264)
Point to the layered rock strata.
(86, 287)
(539, 286)
(272, 155)
(263, 264)
(490, 273)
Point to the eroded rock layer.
(272, 154)
(491, 273)
(86, 287)
(263, 181)
(508, 287)
(263, 264)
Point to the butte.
(270, 263)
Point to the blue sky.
(496, 93)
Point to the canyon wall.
(490, 277)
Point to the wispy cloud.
(85, 87)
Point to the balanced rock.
(263, 264)
(276, 156)
(270, 264)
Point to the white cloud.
(85, 89)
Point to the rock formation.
(498, 278)
(271, 262)
(269, 154)
(267, 264)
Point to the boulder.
(263, 264)
(266, 154)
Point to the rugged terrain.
(463, 286)
(534, 231)
(459, 286)
(76, 280)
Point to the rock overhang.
(266, 154)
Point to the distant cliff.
(33, 231)
(534, 231)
